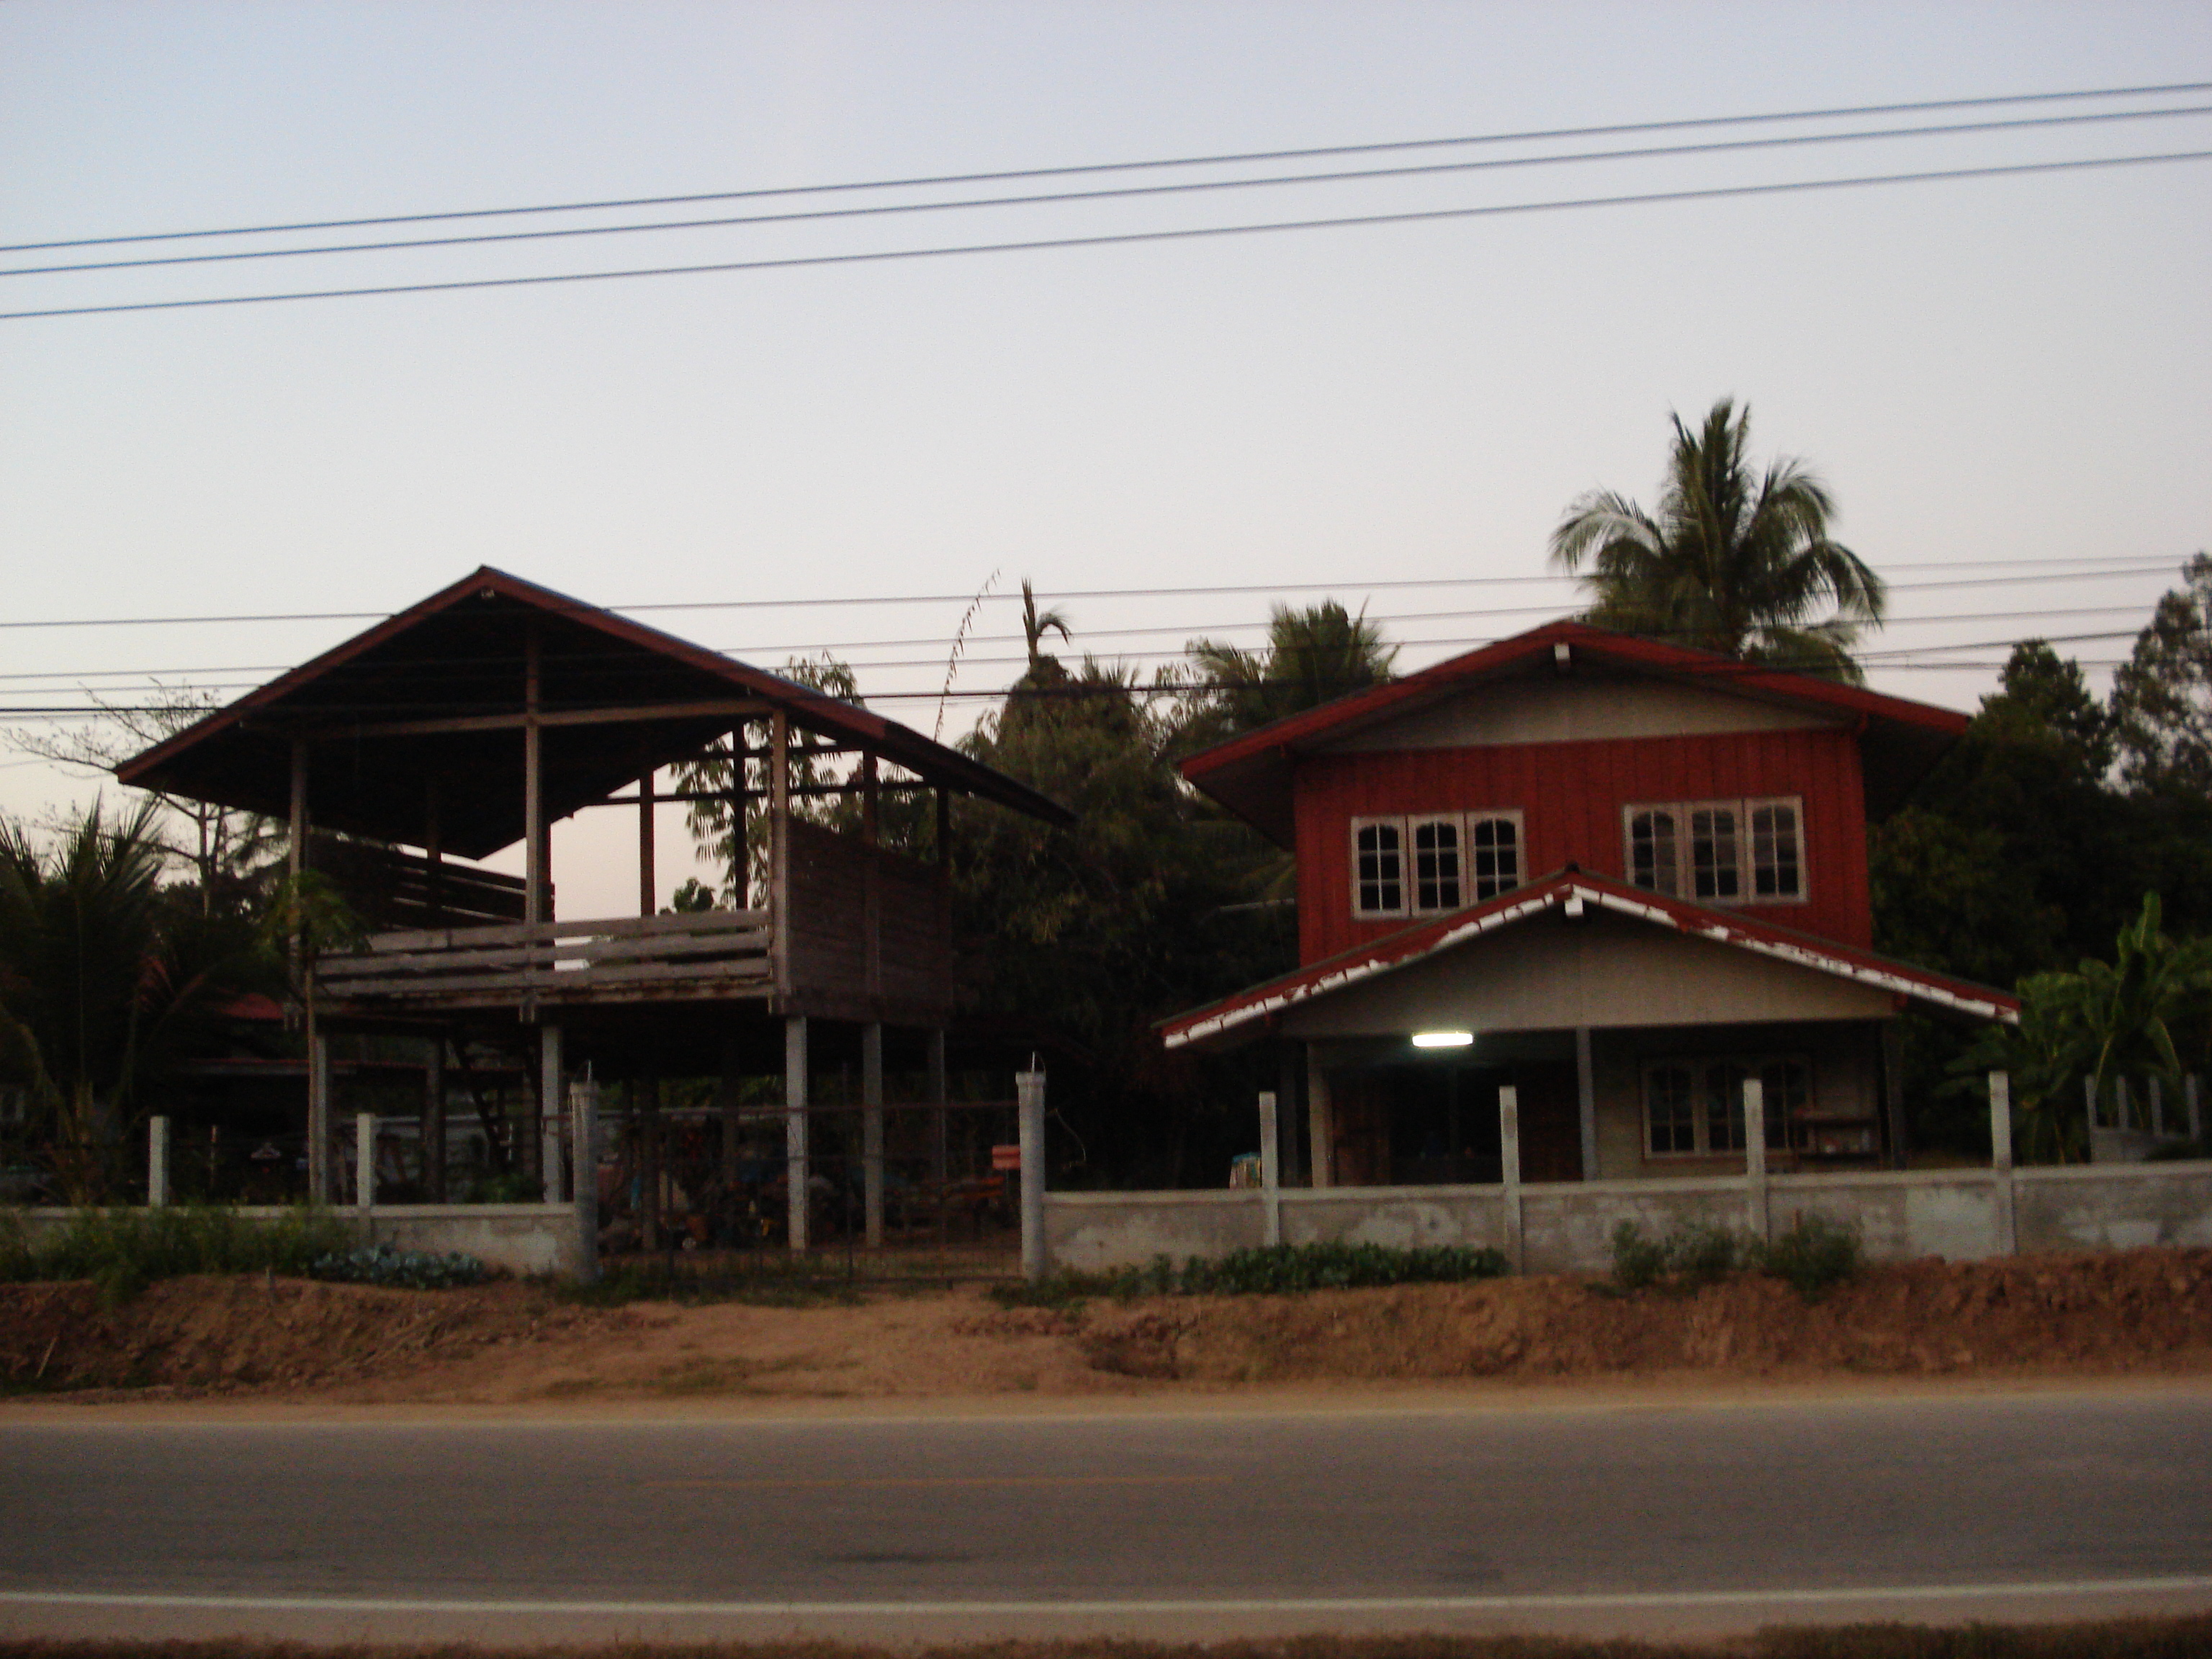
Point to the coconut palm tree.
(1312, 656)
(1735, 560)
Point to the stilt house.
(479, 718)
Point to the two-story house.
(1620, 875)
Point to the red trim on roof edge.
(1427, 938)
(1653, 655)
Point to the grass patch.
(123, 1251)
(1814, 1256)
(1270, 1270)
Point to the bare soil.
(2140, 1312)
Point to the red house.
(1620, 875)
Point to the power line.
(882, 256)
(1247, 157)
(2083, 568)
(1118, 192)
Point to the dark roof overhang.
(423, 706)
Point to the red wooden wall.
(1571, 795)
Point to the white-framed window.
(1694, 1104)
(1424, 863)
(1718, 852)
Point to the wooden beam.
(533, 781)
(610, 716)
(779, 853)
(646, 884)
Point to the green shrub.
(124, 1250)
(411, 1270)
(1268, 1270)
(1814, 1256)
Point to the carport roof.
(1249, 1013)
(431, 695)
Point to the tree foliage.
(1314, 654)
(1734, 560)
(2162, 695)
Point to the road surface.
(1604, 1518)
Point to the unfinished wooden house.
(480, 717)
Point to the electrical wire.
(1242, 158)
(2084, 569)
(1034, 245)
(1119, 193)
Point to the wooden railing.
(620, 958)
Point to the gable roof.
(458, 656)
(1899, 739)
(1570, 890)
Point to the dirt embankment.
(2103, 1314)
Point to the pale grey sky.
(2006, 369)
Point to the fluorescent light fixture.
(1443, 1039)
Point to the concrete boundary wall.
(1959, 1215)
(519, 1238)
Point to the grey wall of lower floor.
(518, 1238)
(1567, 1226)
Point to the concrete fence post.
(551, 1091)
(157, 1161)
(2089, 1099)
(1509, 1148)
(1755, 1159)
(1028, 1093)
(1271, 1172)
(321, 1189)
(2157, 1106)
(2000, 1160)
(584, 1153)
(364, 1160)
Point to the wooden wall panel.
(1571, 795)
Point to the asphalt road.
(1606, 1518)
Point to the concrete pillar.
(319, 1119)
(2189, 1104)
(1586, 1099)
(551, 1091)
(364, 1161)
(157, 1161)
(1271, 1171)
(871, 1130)
(2157, 1106)
(2000, 1160)
(434, 1123)
(1508, 1147)
(584, 1143)
(1029, 1091)
(2122, 1111)
(1321, 1140)
(939, 1153)
(1756, 1215)
(797, 1164)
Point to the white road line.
(1778, 1598)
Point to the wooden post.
(796, 1163)
(2007, 1238)
(1029, 1091)
(295, 858)
(550, 1094)
(584, 1155)
(319, 1119)
(433, 856)
(364, 1161)
(1271, 1172)
(647, 886)
(938, 1150)
(1321, 1145)
(778, 851)
(2188, 1102)
(1585, 1100)
(1892, 1085)
(1756, 1213)
(871, 1130)
(740, 876)
(1509, 1147)
(1291, 1171)
(157, 1161)
(533, 780)
(433, 1122)
(872, 889)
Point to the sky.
(2006, 381)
